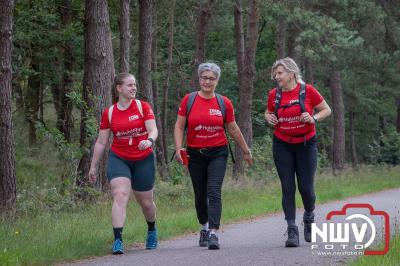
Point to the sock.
(151, 226)
(291, 222)
(204, 227)
(117, 233)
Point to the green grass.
(392, 258)
(55, 236)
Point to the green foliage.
(387, 149)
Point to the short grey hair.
(290, 66)
(209, 67)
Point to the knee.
(288, 190)
(307, 191)
(121, 197)
(148, 205)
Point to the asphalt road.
(258, 242)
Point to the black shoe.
(307, 227)
(213, 242)
(203, 241)
(293, 236)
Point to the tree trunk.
(398, 115)
(309, 71)
(291, 42)
(164, 114)
(281, 37)
(203, 22)
(97, 81)
(125, 36)
(64, 110)
(354, 157)
(32, 100)
(159, 147)
(246, 83)
(145, 41)
(338, 147)
(8, 190)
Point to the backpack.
(278, 98)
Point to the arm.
(178, 135)
(98, 151)
(151, 128)
(323, 112)
(236, 134)
(270, 118)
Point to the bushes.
(386, 149)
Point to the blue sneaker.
(118, 247)
(151, 240)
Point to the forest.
(59, 57)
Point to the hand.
(307, 118)
(178, 156)
(144, 144)
(248, 157)
(271, 119)
(92, 175)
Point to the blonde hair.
(290, 66)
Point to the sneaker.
(213, 242)
(118, 247)
(307, 221)
(293, 236)
(151, 240)
(203, 241)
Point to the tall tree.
(281, 36)
(125, 36)
(246, 73)
(145, 45)
(97, 82)
(7, 166)
(202, 27)
(338, 148)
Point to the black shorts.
(141, 173)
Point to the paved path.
(257, 242)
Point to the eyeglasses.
(211, 79)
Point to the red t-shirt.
(128, 129)
(206, 124)
(289, 127)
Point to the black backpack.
(278, 98)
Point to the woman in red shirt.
(294, 142)
(207, 148)
(130, 162)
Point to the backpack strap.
(139, 106)
(302, 97)
(278, 98)
(110, 111)
(222, 106)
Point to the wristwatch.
(151, 140)
(315, 118)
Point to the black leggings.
(299, 159)
(207, 169)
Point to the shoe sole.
(213, 247)
(203, 244)
(151, 247)
(291, 245)
(118, 252)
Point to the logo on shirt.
(133, 117)
(215, 112)
(131, 132)
(208, 128)
(294, 101)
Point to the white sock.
(204, 226)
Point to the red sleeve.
(182, 107)
(148, 113)
(229, 112)
(104, 123)
(315, 96)
(271, 100)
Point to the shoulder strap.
(110, 111)
(278, 98)
(139, 106)
(189, 105)
(302, 96)
(221, 104)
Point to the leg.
(146, 202)
(285, 165)
(306, 165)
(120, 189)
(198, 173)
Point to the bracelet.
(151, 140)
(315, 118)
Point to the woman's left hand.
(144, 144)
(248, 157)
(306, 118)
